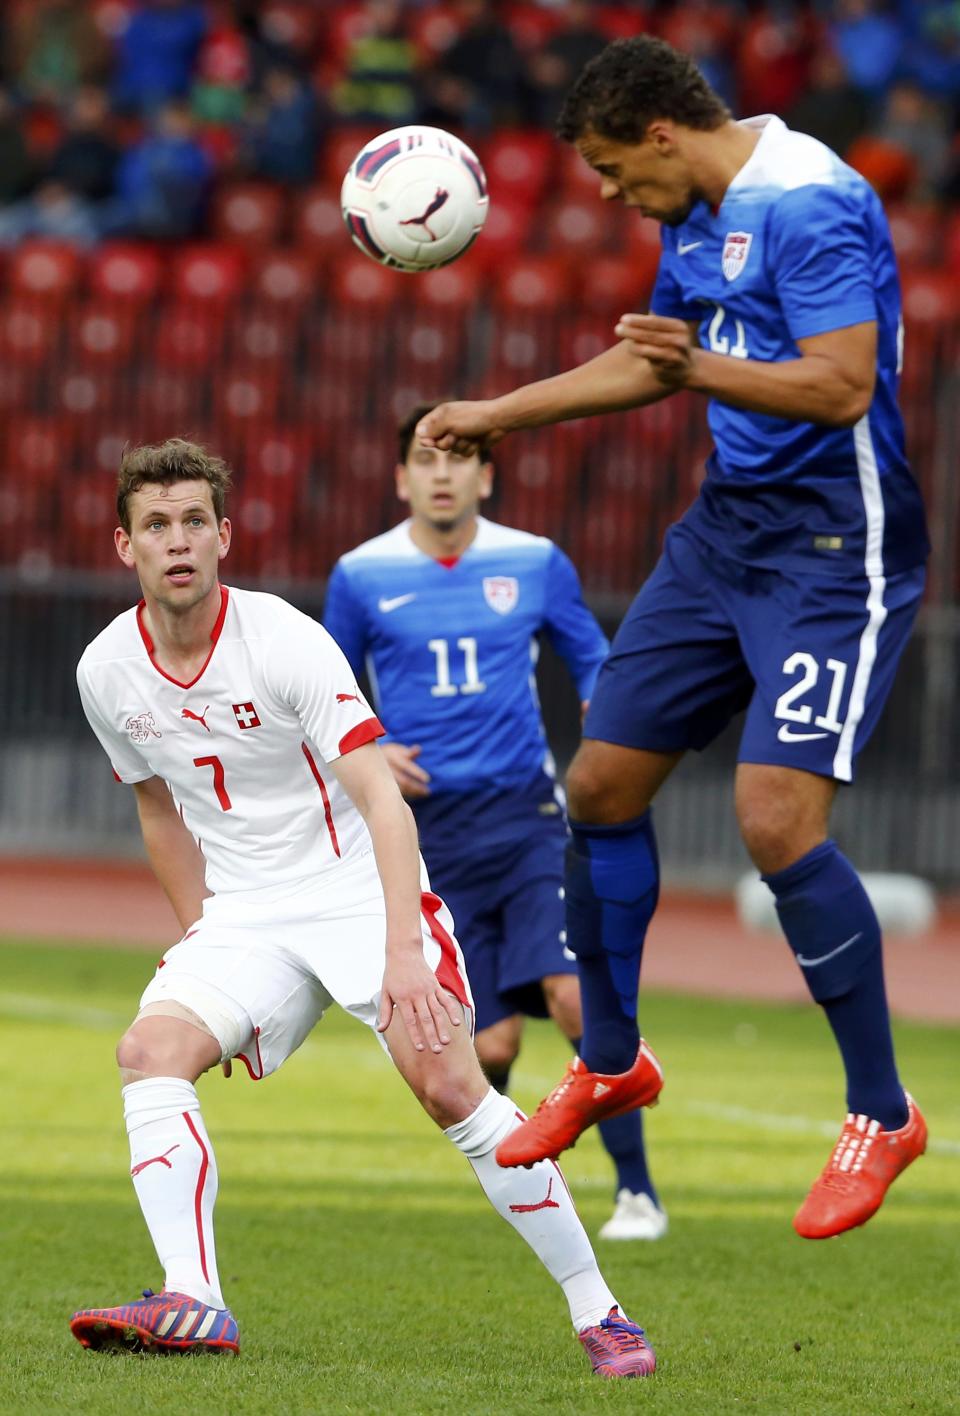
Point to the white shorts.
(260, 976)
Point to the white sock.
(174, 1173)
(537, 1203)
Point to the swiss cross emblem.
(501, 592)
(736, 248)
(246, 715)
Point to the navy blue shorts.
(506, 898)
(810, 658)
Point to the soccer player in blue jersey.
(788, 589)
(444, 612)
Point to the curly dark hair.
(175, 460)
(633, 82)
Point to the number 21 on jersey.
(444, 687)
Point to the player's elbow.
(850, 402)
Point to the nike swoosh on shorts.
(786, 734)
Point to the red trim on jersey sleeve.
(448, 562)
(326, 800)
(448, 969)
(214, 636)
(116, 776)
(367, 731)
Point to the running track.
(696, 944)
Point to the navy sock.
(832, 928)
(622, 1138)
(612, 884)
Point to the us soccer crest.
(501, 592)
(736, 248)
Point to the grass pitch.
(369, 1276)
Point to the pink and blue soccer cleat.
(157, 1322)
(618, 1348)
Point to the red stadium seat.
(505, 233)
(521, 349)
(278, 458)
(166, 401)
(929, 297)
(586, 336)
(100, 335)
(262, 339)
(125, 271)
(530, 25)
(83, 395)
(533, 283)
(245, 401)
(285, 278)
(89, 514)
(580, 228)
(318, 222)
(433, 29)
(518, 164)
(614, 285)
(619, 23)
(452, 287)
(29, 331)
(213, 274)
(918, 235)
(291, 25)
(37, 449)
(429, 345)
(44, 269)
(576, 178)
(187, 337)
(248, 214)
(358, 281)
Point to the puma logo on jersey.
(196, 717)
(348, 698)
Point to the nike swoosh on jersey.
(386, 604)
(684, 246)
(786, 734)
(812, 963)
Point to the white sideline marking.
(772, 1121)
(52, 1010)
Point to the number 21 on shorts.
(792, 709)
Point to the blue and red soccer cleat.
(157, 1323)
(618, 1348)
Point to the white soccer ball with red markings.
(415, 198)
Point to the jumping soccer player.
(275, 826)
(788, 589)
(446, 608)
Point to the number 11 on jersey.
(444, 688)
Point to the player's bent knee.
(496, 1054)
(166, 1045)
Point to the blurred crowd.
(119, 117)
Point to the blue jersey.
(451, 650)
(798, 247)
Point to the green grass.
(368, 1275)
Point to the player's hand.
(409, 776)
(666, 344)
(460, 427)
(411, 987)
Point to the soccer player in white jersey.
(446, 612)
(275, 826)
(788, 589)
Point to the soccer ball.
(414, 198)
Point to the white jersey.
(244, 747)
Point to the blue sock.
(622, 1138)
(831, 926)
(612, 884)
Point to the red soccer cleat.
(157, 1323)
(618, 1348)
(581, 1099)
(865, 1162)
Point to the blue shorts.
(506, 898)
(810, 658)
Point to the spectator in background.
(379, 85)
(157, 52)
(16, 167)
(85, 160)
(53, 212)
(552, 69)
(479, 82)
(830, 107)
(774, 54)
(284, 128)
(707, 31)
(163, 181)
(869, 42)
(917, 125)
(55, 46)
(224, 72)
(933, 50)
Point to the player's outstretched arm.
(614, 380)
(171, 850)
(409, 984)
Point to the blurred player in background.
(445, 610)
(788, 589)
(240, 725)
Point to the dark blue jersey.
(798, 247)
